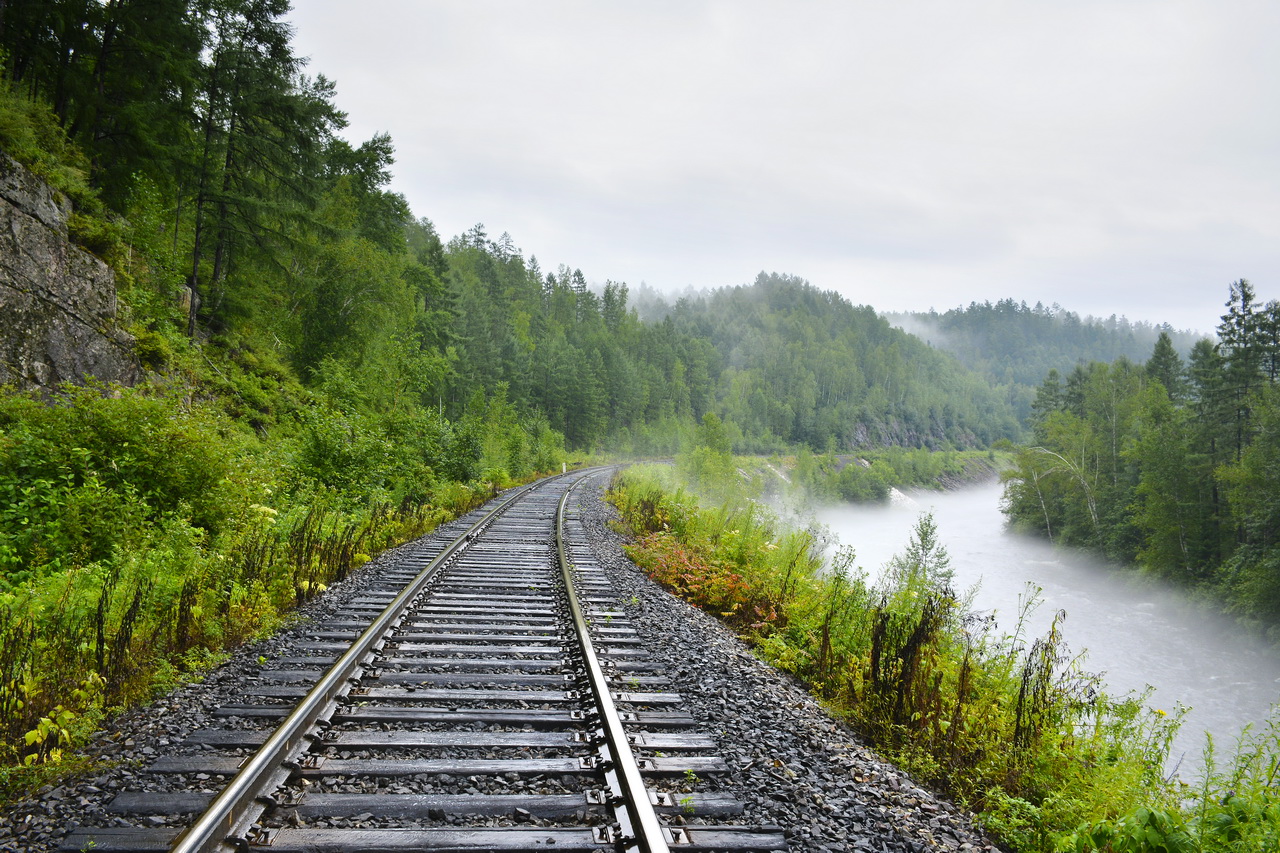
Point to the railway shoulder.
(791, 762)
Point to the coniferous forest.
(1015, 345)
(325, 375)
(1169, 464)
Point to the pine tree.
(1049, 398)
(263, 130)
(1240, 344)
(1165, 366)
(1211, 445)
(1269, 340)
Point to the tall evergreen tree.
(263, 130)
(1240, 344)
(1165, 366)
(1049, 398)
(1269, 340)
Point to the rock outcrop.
(57, 301)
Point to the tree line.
(1169, 463)
(225, 188)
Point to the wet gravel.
(793, 765)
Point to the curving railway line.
(486, 692)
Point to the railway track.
(486, 692)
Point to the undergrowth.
(145, 531)
(1009, 726)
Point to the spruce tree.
(263, 129)
(1240, 344)
(1165, 366)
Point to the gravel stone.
(797, 767)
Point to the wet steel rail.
(484, 693)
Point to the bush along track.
(145, 534)
(1009, 726)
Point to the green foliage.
(1019, 733)
(1168, 466)
(29, 132)
(119, 75)
(1237, 805)
(798, 365)
(1234, 807)
(868, 476)
(91, 472)
(1252, 572)
(145, 534)
(145, 530)
(708, 464)
(778, 362)
(1143, 831)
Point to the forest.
(1015, 346)
(1169, 464)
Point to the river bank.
(1130, 628)
(807, 479)
(1011, 725)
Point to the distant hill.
(1015, 345)
(798, 364)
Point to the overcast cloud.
(1113, 157)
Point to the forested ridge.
(1015, 345)
(802, 366)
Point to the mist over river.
(1135, 633)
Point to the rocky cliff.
(57, 301)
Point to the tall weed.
(143, 532)
(1019, 733)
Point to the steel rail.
(229, 816)
(638, 819)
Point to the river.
(1136, 633)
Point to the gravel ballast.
(793, 765)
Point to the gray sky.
(1114, 156)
